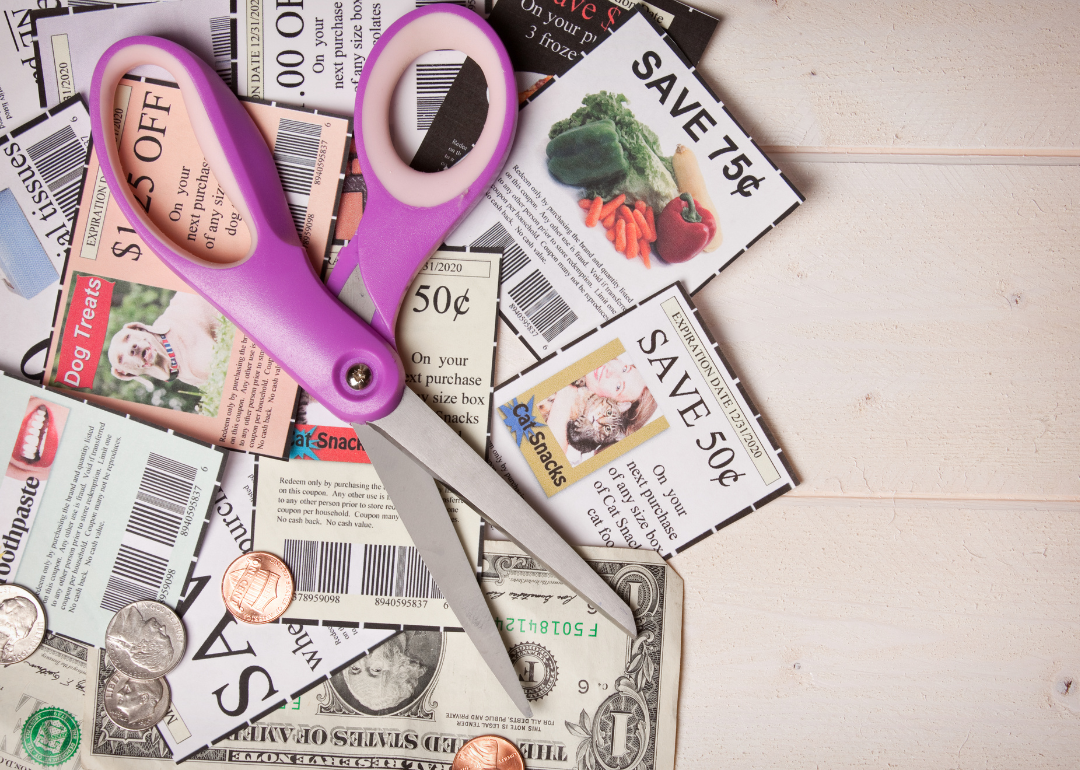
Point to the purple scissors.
(348, 360)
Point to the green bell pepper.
(588, 154)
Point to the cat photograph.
(598, 410)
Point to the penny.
(136, 704)
(488, 752)
(145, 640)
(22, 624)
(257, 587)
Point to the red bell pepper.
(683, 229)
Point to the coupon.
(96, 511)
(18, 67)
(129, 333)
(332, 522)
(548, 37)
(69, 41)
(40, 177)
(628, 174)
(588, 436)
(312, 53)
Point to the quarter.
(145, 640)
(22, 624)
(136, 704)
(488, 752)
(257, 587)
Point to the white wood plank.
(854, 634)
(915, 330)
(920, 73)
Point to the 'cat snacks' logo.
(326, 442)
(544, 456)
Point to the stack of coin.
(145, 641)
(22, 624)
(257, 587)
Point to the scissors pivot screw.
(358, 376)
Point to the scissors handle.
(272, 293)
(409, 212)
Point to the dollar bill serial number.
(545, 627)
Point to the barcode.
(534, 296)
(397, 570)
(542, 305)
(299, 217)
(514, 257)
(384, 570)
(295, 152)
(136, 575)
(223, 42)
(59, 159)
(433, 83)
(151, 532)
(318, 567)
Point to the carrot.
(594, 212)
(610, 234)
(611, 205)
(624, 213)
(642, 225)
(651, 221)
(609, 221)
(631, 240)
(645, 253)
(620, 236)
(639, 206)
(585, 203)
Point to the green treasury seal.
(51, 736)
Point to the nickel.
(488, 752)
(145, 640)
(136, 704)
(257, 587)
(22, 624)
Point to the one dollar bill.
(600, 700)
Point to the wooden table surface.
(912, 335)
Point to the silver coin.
(136, 704)
(22, 624)
(145, 640)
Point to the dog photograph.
(164, 348)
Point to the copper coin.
(257, 587)
(488, 752)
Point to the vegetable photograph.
(647, 202)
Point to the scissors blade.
(423, 512)
(420, 433)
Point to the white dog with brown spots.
(178, 345)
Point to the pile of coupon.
(199, 561)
